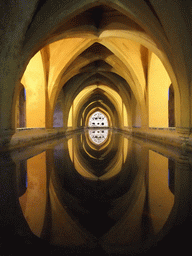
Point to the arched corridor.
(101, 55)
(72, 67)
(106, 64)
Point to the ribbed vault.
(110, 43)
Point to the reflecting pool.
(119, 196)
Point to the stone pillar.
(158, 85)
(6, 109)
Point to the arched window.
(21, 116)
(171, 106)
(98, 119)
(58, 111)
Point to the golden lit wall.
(33, 81)
(158, 86)
(125, 116)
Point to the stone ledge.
(30, 136)
(166, 137)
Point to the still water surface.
(101, 188)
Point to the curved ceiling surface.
(99, 46)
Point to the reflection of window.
(171, 177)
(98, 119)
(98, 136)
(22, 178)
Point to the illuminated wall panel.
(158, 85)
(34, 83)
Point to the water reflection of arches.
(85, 193)
(93, 162)
(126, 218)
(140, 188)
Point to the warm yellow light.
(33, 81)
(159, 83)
(33, 202)
(161, 199)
